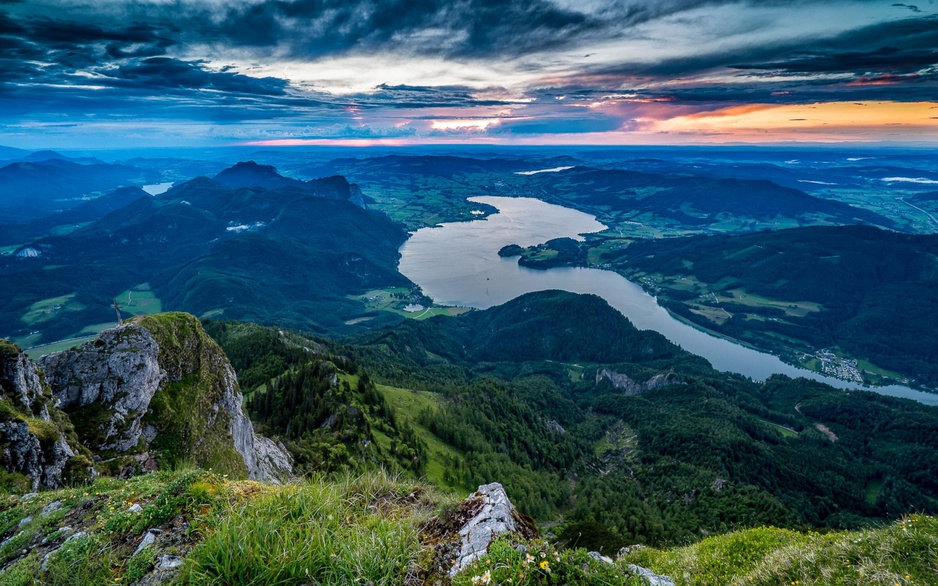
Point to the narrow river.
(458, 264)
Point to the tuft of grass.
(717, 560)
(350, 531)
(85, 560)
(139, 565)
(101, 511)
(8, 349)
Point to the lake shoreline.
(481, 278)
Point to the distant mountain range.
(67, 220)
(695, 201)
(662, 192)
(33, 189)
(289, 254)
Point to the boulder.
(489, 514)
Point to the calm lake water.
(458, 264)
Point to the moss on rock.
(190, 426)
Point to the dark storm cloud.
(887, 48)
(895, 60)
(166, 72)
(408, 96)
(108, 53)
(464, 28)
(312, 28)
(467, 28)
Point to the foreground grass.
(362, 530)
(339, 531)
(903, 553)
(367, 530)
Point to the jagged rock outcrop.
(119, 371)
(34, 437)
(490, 514)
(159, 389)
(630, 387)
(274, 463)
(653, 578)
(356, 196)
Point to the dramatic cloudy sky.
(166, 72)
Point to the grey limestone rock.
(31, 443)
(23, 385)
(630, 387)
(50, 508)
(494, 515)
(273, 461)
(149, 538)
(119, 370)
(653, 578)
(125, 367)
(169, 562)
(600, 557)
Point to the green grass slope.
(516, 394)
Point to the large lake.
(458, 264)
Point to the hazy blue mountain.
(68, 220)
(31, 190)
(7, 153)
(694, 200)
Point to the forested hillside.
(625, 436)
(289, 256)
(868, 291)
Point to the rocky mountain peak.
(251, 174)
(158, 390)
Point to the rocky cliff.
(158, 390)
(631, 387)
(37, 443)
